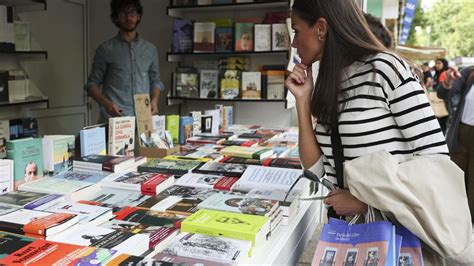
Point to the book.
(184, 207)
(146, 217)
(89, 177)
(204, 37)
(227, 169)
(175, 167)
(22, 35)
(238, 142)
(182, 36)
(283, 163)
(240, 204)
(251, 85)
(108, 163)
(85, 213)
(4, 90)
(275, 84)
(196, 115)
(243, 37)
(186, 84)
(172, 125)
(24, 199)
(216, 249)
(58, 153)
(263, 37)
(267, 177)
(121, 135)
(182, 192)
(159, 124)
(13, 242)
(6, 176)
(198, 180)
(54, 185)
(240, 160)
(185, 128)
(95, 236)
(208, 83)
(224, 34)
(180, 260)
(4, 137)
(216, 120)
(228, 116)
(225, 183)
(17, 85)
(27, 156)
(259, 153)
(206, 124)
(94, 256)
(229, 84)
(145, 183)
(36, 223)
(247, 227)
(280, 37)
(109, 197)
(93, 141)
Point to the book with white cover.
(196, 115)
(4, 137)
(22, 199)
(219, 249)
(86, 213)
(58, 153)
(266, 177)
(280, 37)
(251, 85)
(263, 37)
(6, 176)
(208, 84)
(91, 235)
(159, 124)
(144, 182)
(89, 177)
(198, 180)
(239, 204)
(4, 209)
(116, 197)
(216, 120)
(93, 141)
(121, 135)
(54, 185)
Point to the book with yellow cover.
(226, 224)
(259, 153)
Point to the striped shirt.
(382, 107)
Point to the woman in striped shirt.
(365, 96)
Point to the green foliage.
(452, 26)
(419, 20)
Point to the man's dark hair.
(379, 30)
(119, 5)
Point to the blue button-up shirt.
(124, 69)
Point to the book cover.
(159, 124)
(241, 160)
(184, 207)
(172, 125)
(152, 218)
(161, 237)
(275, 84)
(259, 153)
(108, 163)
(24, 198)
(283, 163)
(146, 183)
(116, 197)
(208, 83)
(187, 192)
(224, 35)
(179, 260)
(239, 142)
(27, 155)
(196, 115)
(228, 116)
(185, 157)
(54, 185)
(185, 128)
(227, 169)
(4, 91)
(204, 37)
(182, 36)
(267, 177)
(126, 259)
(263, 37)
(198, 180)
(239, 204)
(13, 242)
(121, 135)
(251, 85)
(6, 176)
(206, 126)
(225, 183)
(131, 227)
(99, 237)
(176, 167)
(58, 153)
(217, 249)
(22, 35)
(94, 256)
(4, 137)
(89, 177)
(280, 37)
(5, 209)
(187, 85)
(86, 213)
(93, 141)
(244, 37)
(230, 84)
(216, 120)
(252, 228)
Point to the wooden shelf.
(29, 100)
(28, 54)
(177, 57)
(223, 100)
(178, 11)
(25, 5)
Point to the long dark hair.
(348, 39)
(118, 5)
(439, 72)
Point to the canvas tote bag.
(426, 195)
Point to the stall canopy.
(420, 53)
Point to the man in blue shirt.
(124, 65)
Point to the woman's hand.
(452, 74)
(344, 203)
(300, 83)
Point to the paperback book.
(58, 153)
(182, 36)
(267, 177)
(122, 135)
(175, 167)
(239, 204)
(93, 141)
(217, 168)
(6, 176)
(208, 83)
(27, 156)
(143, 182)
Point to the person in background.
(460, 131)
(441, 66)
(379, 30)
(124, 65)
(427, 77)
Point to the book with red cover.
(225, 183)
(160, 237)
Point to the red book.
(225, 183)
(156, 184)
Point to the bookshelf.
(27, 54)
(29, 100)
(178, 57)
(25, 5)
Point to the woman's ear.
(321, 28)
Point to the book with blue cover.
(185, 128)
(183, 33)
(93, 141)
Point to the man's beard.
(125, 27)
